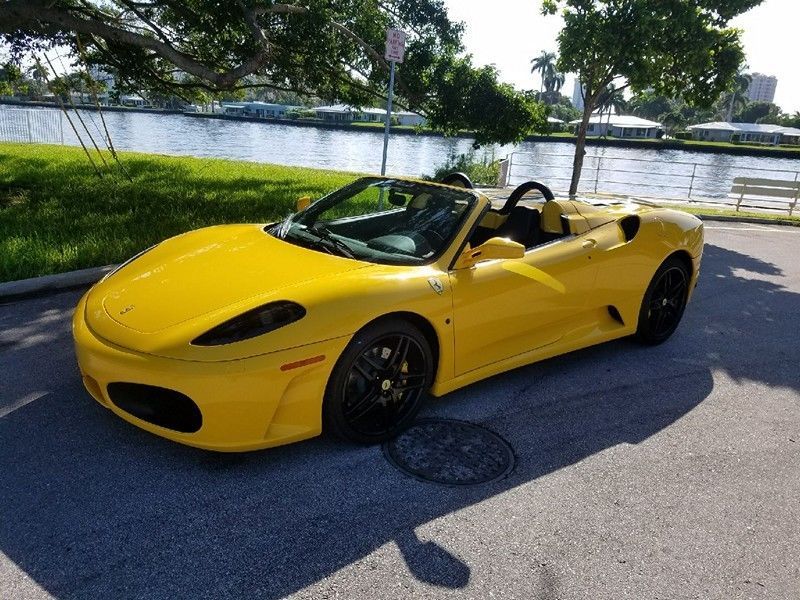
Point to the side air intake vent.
(630, 227)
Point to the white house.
(760, 133)
(621, 126)
(133, 100)
(342, 113)
(257, 109)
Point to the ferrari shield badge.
(436, 285)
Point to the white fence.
(31, 125)
(647, 178)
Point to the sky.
(508, 33)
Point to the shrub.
(682, 135)
(485, 170)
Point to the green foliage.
(331, 50)
(564, 110)
(57, 215)
(484, 170)
(758, 112)
(471, 99)
(649, 105)
(790, 120)
(682, 135)
(301, 113)
(10, 78)
(676, 48)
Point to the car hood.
(202, 272)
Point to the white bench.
(751, 192)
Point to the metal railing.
(642, 177)
(31, 125)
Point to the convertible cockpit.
(527, 221)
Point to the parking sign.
(395, 45)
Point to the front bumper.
(245, 404)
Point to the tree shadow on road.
(94, 507)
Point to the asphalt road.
(667, 472)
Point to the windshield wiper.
(324, 234)
(283, 227)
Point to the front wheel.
(379, 382)
(664, 302)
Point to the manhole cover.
(450, 452)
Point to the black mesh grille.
(157, 405)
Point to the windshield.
(380, 220)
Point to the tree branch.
(28, 12)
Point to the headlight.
(255, 322)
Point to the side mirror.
(302, 203)
(491, 249)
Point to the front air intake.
(159, 406)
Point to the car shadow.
(95, 507)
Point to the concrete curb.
(50, 284)
(757, 220)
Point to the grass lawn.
(726, 212)
(57, 215)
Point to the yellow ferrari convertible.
(348, 313)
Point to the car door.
(503, 308)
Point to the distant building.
(133, 100)
(577, 95)
(759, 133)
(342, 113)
(762, 88)
(257, 109)
(621, 126)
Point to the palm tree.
(545, 65)
(554, 81)
(611, 100)
(736, 100)
(552, 88)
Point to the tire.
(664, 302)
(379, 382)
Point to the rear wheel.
(379, 382)
(664, 302)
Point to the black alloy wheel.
(379, 383)
(664, 302)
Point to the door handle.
(588, 244)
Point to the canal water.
(658, 173)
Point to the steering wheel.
(523, 189)
(457, 180)
(433, 237)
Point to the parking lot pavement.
(665, 472)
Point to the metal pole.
(691, 182)
(388, 118)
(597, 173)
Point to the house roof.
(555, 121)
(344, 108)
(259, 104)
(747, 128)
(619, 121)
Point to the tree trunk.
(729, 116)
(580, 145)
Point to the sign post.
(395, 51)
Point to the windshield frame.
(281, 229)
